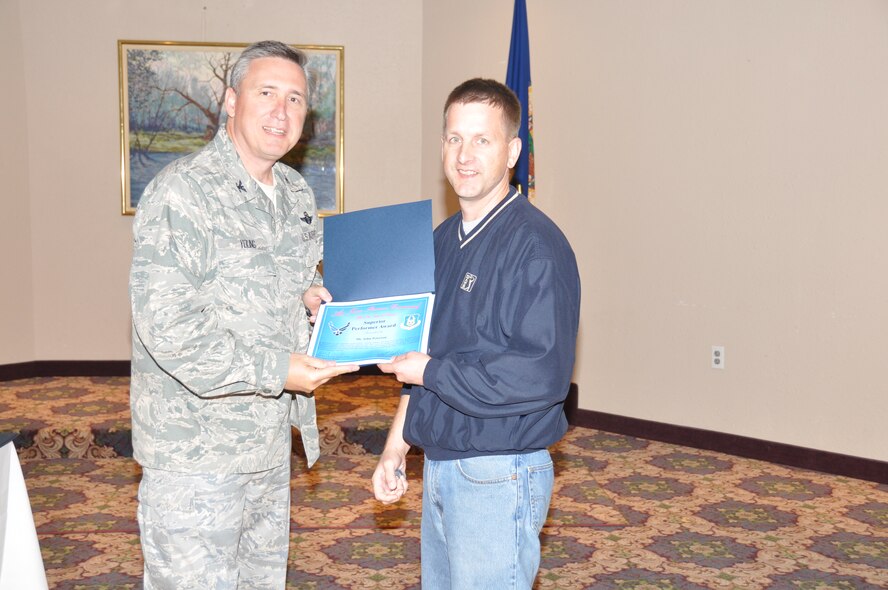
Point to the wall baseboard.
(33, 369)
(731, 444)
(740, 446)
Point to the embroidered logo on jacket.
(241, 187)
(306, 217)
(468, 282)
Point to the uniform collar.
(244, 185)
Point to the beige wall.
(81, 243)
(720, 168)
(16, 279)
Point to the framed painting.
(172, 102)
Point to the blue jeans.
(481, 520)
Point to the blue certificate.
(372, 330)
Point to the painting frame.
(160, 121)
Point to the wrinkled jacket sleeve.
(174, 314)
(539, 316)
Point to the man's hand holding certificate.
(379, 266)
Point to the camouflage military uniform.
(217, 532)
(216, 290)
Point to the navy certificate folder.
(380, 252)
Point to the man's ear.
(514, 151)
(230, 101)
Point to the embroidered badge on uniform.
(468, 282)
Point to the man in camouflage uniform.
(225, 254)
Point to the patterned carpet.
(627, 513)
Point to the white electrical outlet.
(718, 357)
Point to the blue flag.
(518, 79)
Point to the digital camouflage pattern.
(216, 290)
(202, 537)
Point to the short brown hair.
(493, 93)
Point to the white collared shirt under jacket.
(216, 290)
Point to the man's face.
(267, 113)
(476, 151)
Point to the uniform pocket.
(245, 261)
(246, 285)
(167, 504)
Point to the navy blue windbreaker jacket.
(503, 337)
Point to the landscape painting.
(172, 103)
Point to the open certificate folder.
(379, 265)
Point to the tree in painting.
(175, 100)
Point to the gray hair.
(266, 49)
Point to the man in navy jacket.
(488, 398)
